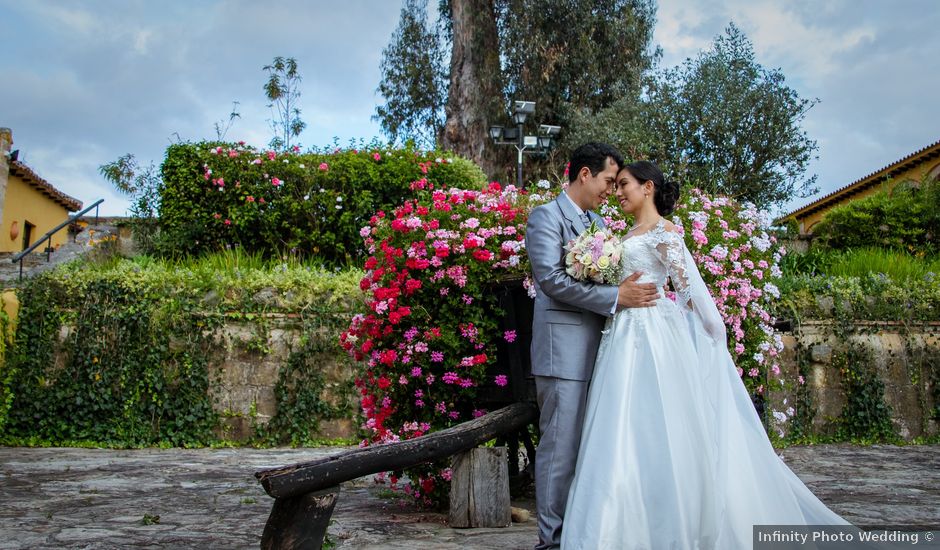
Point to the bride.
(672, 453)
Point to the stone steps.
(84, 243)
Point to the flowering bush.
(429, 338)
(739, 261)
(309, 204)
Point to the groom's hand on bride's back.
(634, 294)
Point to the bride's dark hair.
(665, 192)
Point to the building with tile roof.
(915, 167)
(29, 205)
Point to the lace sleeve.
(693, 293)
(671, 252)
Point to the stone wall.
(247, 357)
(906, 360)
(245, 366)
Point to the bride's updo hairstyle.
(666, 192)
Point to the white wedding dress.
(673, 454)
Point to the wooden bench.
(305, 494)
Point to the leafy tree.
(282, 90)
(732, 126)
(720, 121)
(575, 54)
(566, 55)
(142, 186)
(413, 80)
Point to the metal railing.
(48, 236)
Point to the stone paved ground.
(91, 498)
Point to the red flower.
(482, 255)
(384, 382)
(417, 263)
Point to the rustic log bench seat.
(306, 493)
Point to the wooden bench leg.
(299, 523)
(479, 489)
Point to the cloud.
(91, 81)
(88, 81)
(872, 65)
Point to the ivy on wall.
(121, 354)
(865, 415)
(6, 373)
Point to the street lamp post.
(528, 145)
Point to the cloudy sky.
(87, 81)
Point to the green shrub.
(217, 195)
(906, 218)
(873, 297)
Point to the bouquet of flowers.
(594, 256)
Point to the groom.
(566, 328)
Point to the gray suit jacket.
(569, 314)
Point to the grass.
(897, 265)
(230, 279)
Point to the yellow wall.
(917, 173)
(26, 203)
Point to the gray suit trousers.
(562, 403)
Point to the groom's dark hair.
(594, 156)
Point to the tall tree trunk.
(475, 100)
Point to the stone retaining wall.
(247, 358)
(245, 367)
(906, 360)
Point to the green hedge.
(218, 195)
(119, 354)
(906, 218)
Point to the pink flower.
(324, 167)
(509, 336)
(501, 380)
(276, 182)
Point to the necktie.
(585, 219)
